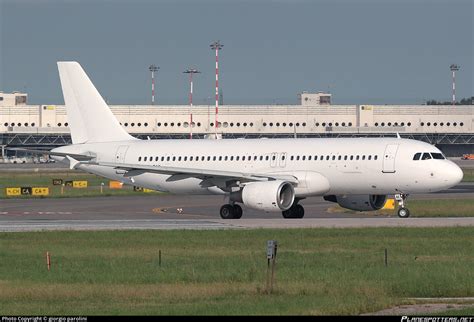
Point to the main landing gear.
(295, 211)
(402, 211)
(229, 211)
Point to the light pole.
(153, 69)
(217, 46)
(454, 68)
(191, 71)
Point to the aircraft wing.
(135, 169)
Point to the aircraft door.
(120, 154)
(389, 158)
(283, 160)
(273, 159)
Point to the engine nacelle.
(359, 202)
(267, 195)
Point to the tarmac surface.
(195, 212)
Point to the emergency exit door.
(389, 158)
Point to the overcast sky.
(362, 51)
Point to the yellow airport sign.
(13, 191)
(79, 184)
(40, 191)
(389, 204)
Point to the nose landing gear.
(403, 212)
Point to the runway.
(194, 212)
(169, 224)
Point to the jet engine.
(359, 202)
(268, 195)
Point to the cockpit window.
(437, 156)
(417, 156)
(426, 156)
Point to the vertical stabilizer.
(89, 117)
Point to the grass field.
(39, 179)
(319, 271)
(468, 175)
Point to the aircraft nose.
(454, 174)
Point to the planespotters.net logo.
(436, 319)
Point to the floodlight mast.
(454, 68)
(153, 69)
(191, 72)
(216, 46)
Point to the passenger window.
(145, 158)
(333, 157)
(417, 156)
(292, 158)
(225, 158)
(174, 158)
(267, 158)
(339, 157)
(309, 158)
(345, 157)
(375, 157)
(208, 158)
(274, 157)
(214, 158)
(179, 158)
(321, 157)
(283, 157)
(191, 158)
(185, 158)
(261, 158)
(369, 157)
(255, 158)
(426, 156)
(304, 157)
(231, 158)
(437, 156)
(357, 157)
(297, 158)
(162, 159)
(156, 158)
(352, 157)
(363, 157)
(220, 158)
(139, 158)
(167, 158)
(237, 158)
(327, 157)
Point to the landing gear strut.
(402, 211)
(229, 211)
(295, 211)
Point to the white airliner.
(272, 175)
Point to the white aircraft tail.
(89, 117)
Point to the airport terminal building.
(449, 127)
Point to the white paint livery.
(266, 174)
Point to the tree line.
(464, 101)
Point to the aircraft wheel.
(299, 211)
(403, 212)
(227, 212)
(287, 213)
(237, 211)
